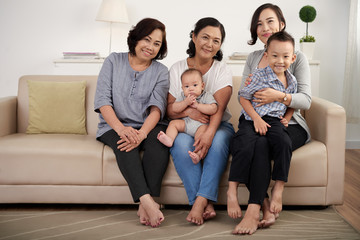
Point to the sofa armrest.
(327, 123)
(8, 115)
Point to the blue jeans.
(202, 179)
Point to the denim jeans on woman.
(202, 179)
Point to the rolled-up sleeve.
(159, 94)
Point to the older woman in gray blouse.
(131, 98)
(266, 20)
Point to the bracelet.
(143, 133)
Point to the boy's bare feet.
(276, 197)
(165, 139)
(152, 209)
(196, 214)
(268, 217)
(249, 223)
(233, 207)
(194, 157)
(209, 212)
(144, 218)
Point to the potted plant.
(307, 43)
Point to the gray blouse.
(301, 70)
(130, 92)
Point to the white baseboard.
(352, 144)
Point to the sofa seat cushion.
(41, 159)
(113, 176)
(312, 154)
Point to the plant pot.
(308, 49)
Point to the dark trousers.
(144, 176)
(251, 155)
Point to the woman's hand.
(203, 143)
(126, 146)
(248, 80)
(266, 95)
(129, 134)
(197, 115)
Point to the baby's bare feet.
(249, 223)
(165, 139)
(194, 157)
(233, 207)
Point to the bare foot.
(152, 209)
(196, 214)
(249, 223)
(209, 212)
(268, 217)
(165, 139)
(233, 207)
(276, 197)
(144, 218)
(194, 157)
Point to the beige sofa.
(70, 168)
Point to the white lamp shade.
(112, 11)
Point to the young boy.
(193, 95)
(269, 120)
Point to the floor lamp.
(112, 11)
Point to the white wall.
(35, 32)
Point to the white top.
(218, 77)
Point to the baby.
(194, 96)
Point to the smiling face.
(207, 42)
(192, 84)
(280, 56)
(268, 23)
(147, 48)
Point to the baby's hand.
(190, 99)
(284, 121)
(194, 104)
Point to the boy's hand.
(261, 126)
(284, 121)
(190, 99)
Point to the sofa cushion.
(92, 117)
(45, 159)
(56, 107)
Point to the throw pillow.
(56, 107)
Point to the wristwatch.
(285, 98)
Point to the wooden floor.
(350, 210)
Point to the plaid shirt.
(266, 78)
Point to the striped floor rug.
(122, 223)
